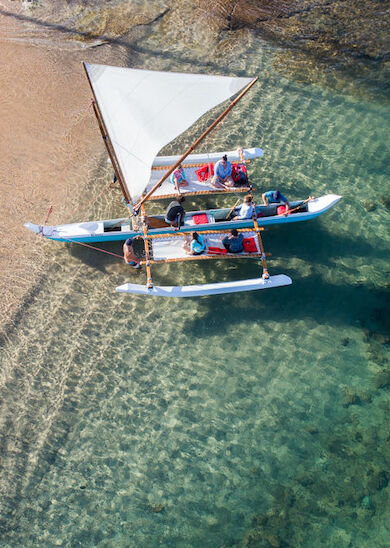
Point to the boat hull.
(100, 231)
(202, 290)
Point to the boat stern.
(40, 229)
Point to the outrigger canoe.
(138, 113)
(121, 229)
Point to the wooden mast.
(108, 143)
(196, 143)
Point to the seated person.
(246, 209)
(178, 178)
(240, 176)
(174, 214)
(275, 197)
(129, 255)
(222, 174)
(233, 242)
(196, 246)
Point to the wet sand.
(49, 141)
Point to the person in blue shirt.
(275, 197)
(222, 173)
(197, 245)
(233, 243)
(246, 209)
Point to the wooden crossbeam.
(155, 236)
(195, 165)
(206, 256)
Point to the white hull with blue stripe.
(120, 229)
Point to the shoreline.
(51, 144)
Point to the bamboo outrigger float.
(139, 112)
(169, 248)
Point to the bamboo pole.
(227, 190)
(206, 256)
(196, 143)
(233, 208)
(158, 168)
(108, 143)
(309, 199)
(156, 236)
(263, 255)
(257, 229)
(146, 242)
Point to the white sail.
(145, 110)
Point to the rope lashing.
(48, 214)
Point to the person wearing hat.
(222, 173)
(275, 197)
(128, 254)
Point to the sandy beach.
(49, 142)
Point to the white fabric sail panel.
(145, 110)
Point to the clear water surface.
(256, 419)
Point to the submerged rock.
(369, 206)
(379, 481)
(367, 503)
(350, 397)
(382, 379)
(385, 200)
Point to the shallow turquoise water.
(251, 419)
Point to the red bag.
(250, 245)
(205, 172)
(216, 250)
(200, 219)
(281, 210)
